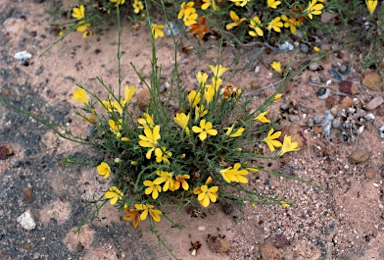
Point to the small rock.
(314, 80)
(314, 66)
(227, 208)
(5, 92)
(303, 48)
(346, 102)
(342, 69)
(294, 118)
(286, 46)
(218, 244)
(284, 107)
(319, 32)
(23, 57)
(318, 129)
(171, 27)
(310, 122)
(336, 123)
(374, 103)
(327, 123)
(373, 81)
(335, 111)
(323, 78)
(143, 97)
(270, 252)
(26, 221)
(280, 241)
(370, 173)
(317, 119)
(212, 211)
(331, 101)
(348, 87)
(359, 156)
(5, 151)
(255, 84)
(334, 74)
(201, 228)
(381, 131)
(27, 192)
(323, 93)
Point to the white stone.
(26, 221)
(23, 56)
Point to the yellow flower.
(216, 82)
(129, 91)
(238, 133)
(314, 9)
(289, 22)
(218, 70)
(78, 13)
(137, 6)
(284, 204)
(288, 146)
(80, 95)
(162, 155)
(271, 141)
(275, 24)
(132, 214)
(261, 118)
(134, 163)
(201, 78)
(371, 5)
(256, 25)
(252, 169)
(194, 98)
(152, 188)
(190, 19)
(206, 195)
(186, 9)
(208, 3)
(120, 2)
(150, 139)
(200, 111)
(181, 179)
(157, 30)
(124, 139)
(234, 175)
(241, 3)
(273, 3)
(155, 213)
(104, 170)
(236, 20)
(276, 65)
(209, 93)
(166, 178)
(114, 194)
(204, 129)
(146, 122)
(181, 120)
(278, 96)
(316, 49)
(84, 27)
(115, 127)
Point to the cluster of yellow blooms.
(201, 125)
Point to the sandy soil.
(343, 220)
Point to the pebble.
(23, 57)
(319, 32)
(346, 102)
(348, 87)
(218, 244)
(304, 48)
(284, 107)
(255, 84)
(336, 123)
(270, 252)
(323, 78)
(370, 173)
(359, 156)
(5, 151)
(323, 93)
(342, 69)
(26, 221)
(201, 228)
(286, 46)
(27, 192)
(281, 241)
(313, 66)
(317, 119)
(374, 103)
(143, 97)
(327, 123)
(314, 79)
(373, 81)
(310, 122)
(381, 131)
